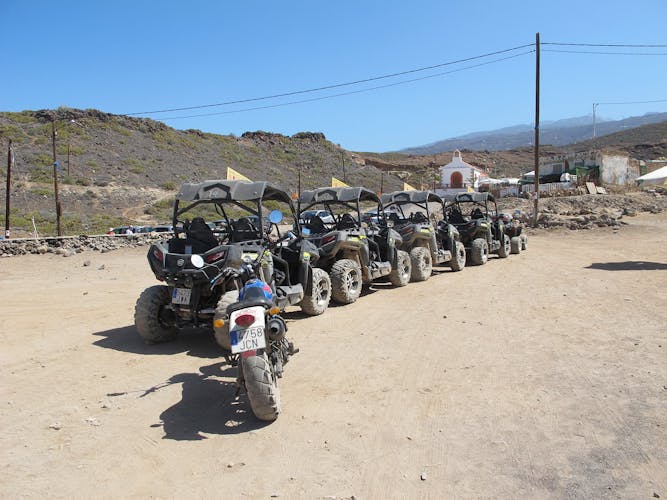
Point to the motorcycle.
(257, 337)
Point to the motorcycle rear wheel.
(261, 386)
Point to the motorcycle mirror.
(276, 216)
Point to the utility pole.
(381, 182)
(595, 105)
(55, 174)
(298, 189)
(10, 160)
(536, 195)
(342, 155)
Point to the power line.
(350, 92)
(608, 53)
(332, 86)
(603, 45)
(632, 102)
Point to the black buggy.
(475, 215)
(196, 263)
(427, 236)
(354, 253)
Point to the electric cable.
(347, 93)
(607, 53)
(332, 86)
(604, 45)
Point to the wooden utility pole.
(55, 175)
(10, 160)
(536, 194)
(342, 155)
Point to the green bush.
(41, 175)
(39, 191)
(138, 169)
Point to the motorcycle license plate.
(181, 296)
(247, 338)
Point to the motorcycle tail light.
(328, 239)
(407, 230)
(245, 320)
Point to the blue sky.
(130, 56)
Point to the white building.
(458, 175)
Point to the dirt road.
(541, 375)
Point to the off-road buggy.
(514, 229)
(353, 253)
(428, 241)
(194, 263)
(475, 215)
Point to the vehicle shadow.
(196, 342)
(629, 265)
(208, 405)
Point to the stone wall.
(70, 245)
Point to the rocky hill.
(117, 170)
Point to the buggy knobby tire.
(317, 301)
(458, 261)
(346, 281)
(479, 253)
(504, 250)
(261, 386)
(221, 334)
(401, 269)
(515, 245)
(524, 242)
(422, 265)
(150, 315)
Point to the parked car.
(325, 215)
(163, 228)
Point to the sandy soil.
(541, 375)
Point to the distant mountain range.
(556, 133)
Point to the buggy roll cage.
(349, 197)
(420, 199)
(220, 192)
(477, 199)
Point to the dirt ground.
(541, 375)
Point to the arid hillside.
(116, 170)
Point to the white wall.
(616, 169)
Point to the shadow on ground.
(629, 265)
(208, 405)
(199, 343)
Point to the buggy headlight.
(197, 261)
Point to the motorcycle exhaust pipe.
(277, 328)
